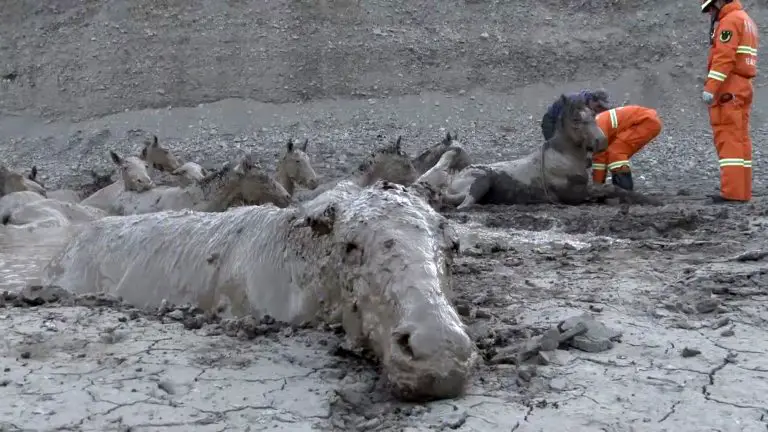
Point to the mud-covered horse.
(430, 157)
(375, 259)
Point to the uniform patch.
(726, 35)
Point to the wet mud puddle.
(475, 234)
(24, 253)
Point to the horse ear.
(33, 175)
(289, 147)
(447, 140)
(398, 143)
(304, 146)
(115, 158)
(154, 141)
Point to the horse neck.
(560, 144)
(284, 179)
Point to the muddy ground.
(684, 284)
(216, 79)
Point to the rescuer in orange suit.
(628, 129)
(731, 65)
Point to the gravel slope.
(343, 73)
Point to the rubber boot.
(718, 199)
(623, 180)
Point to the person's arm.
(723, 55)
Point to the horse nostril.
(403, 341)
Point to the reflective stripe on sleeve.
(745, 49)
(614, 118)
(601, 167)
(715, 75)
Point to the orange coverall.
(628, 129)
(732, 64)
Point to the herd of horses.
(156, 180)
(371, 252)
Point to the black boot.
(623, 180)
(718, 199)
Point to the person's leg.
(726, 120)
(618, 159)
(599, 165)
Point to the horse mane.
(216, 175)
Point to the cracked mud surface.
(676, 281)
(80, 78)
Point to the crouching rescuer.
(628, 129)
(732, 64)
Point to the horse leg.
(480, 186)
(601, 192)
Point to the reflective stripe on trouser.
(734, 149)
(623, 146)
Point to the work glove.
(707, 97)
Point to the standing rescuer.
(732, 64)
(628, 129)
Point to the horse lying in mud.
(375, 259)
(162, 161)
(49, 213)
(295, 168)
(243, 182)
(134, 176)
(11, 181)
(556, 173)
(389, 162)
(66, 195)
(427, 159)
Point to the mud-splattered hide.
(453, 160)
(11, 181)
(133, 172)
(233, 184)
(49, 213)
(376, 259)
(390, 163)
(190, 173)
(429, 157)
(15, 200)
(554, 173)
(158, 157)
(578, 130)
(295, 168)
(33, 182)
(256, 186)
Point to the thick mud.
(682, 285)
